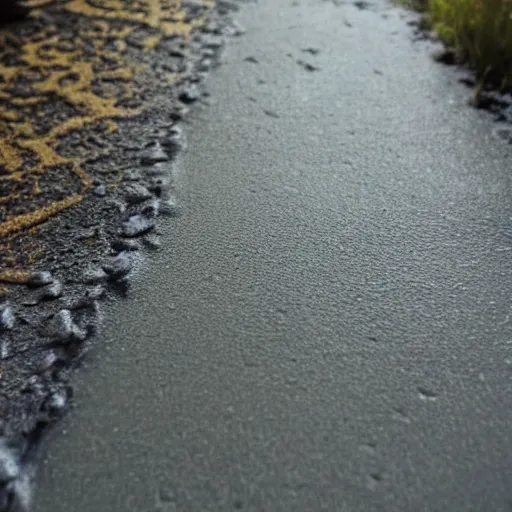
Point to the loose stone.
(136, 193)
(100, 191)
(118, 267)
(137, 225)
(125, 245)
(51, 291)
(40, 279)
(62, 328)
(94, 275)
(153, 155)
(7, 319)
(190, 94)
(9, 464)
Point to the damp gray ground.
(328, 326)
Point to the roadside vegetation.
(477, 32)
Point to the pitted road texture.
(330, 328)
(91, 96)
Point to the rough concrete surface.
(328, 327)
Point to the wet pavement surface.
(328, 324)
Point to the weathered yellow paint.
(19, 222)
(50, 66)
(14, 276)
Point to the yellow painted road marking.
(78, 70)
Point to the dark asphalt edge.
(74, 329)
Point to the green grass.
(418, 5)
(479, 30)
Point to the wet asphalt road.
(328, 326)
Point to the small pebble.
(40, 279)
(153, 155)
(88, 233)
(125, 245)
(168, 208)
(95, 293)
(190, 94)
(100, 191)
(159, 185)
(179, 113)
(94, 275)
(213, 43)
(9, 464)
(62, 327)
(88, 300)
(5, 351)
(208, 53)
(176, 131)
(51, 291)
(159, 169)
(48, 292)
(7, 319)
(136, 193)
(137, 225)
(151, 210)
(118, 267)
(58, 400)
(204, 65)
(152, 241)
(48, 361)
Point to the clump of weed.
(481, 33)
(477, 32)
